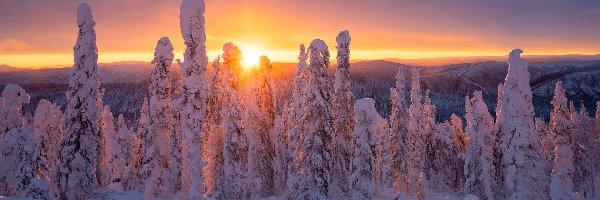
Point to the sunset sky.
(36, 33)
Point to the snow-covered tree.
(260, 121)
(561, 186)
(315, 158)
(149, 166)
(438, 146)
(160, 127)
(525, 177)
(479, 160)
(342, 108)
(114, 161)
(48, 131)
(280, 158)
(500, 145)
(78, 174)
(124, 138)
(213, 151)
(20, 150)
(458, 134)
(546, 140)
(429, 116)
(383, 160)
(292, 127)
(362, 180)
(444, 165)
(108, 143)
(235, 142)
(586, 156)
(416, 135)
(11, 110)
(136, 152)
(193, 112)
(459, 140)
(21, 161)
(398, 131)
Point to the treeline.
(217, 135)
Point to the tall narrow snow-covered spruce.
(416, 135)
(293, 129)
(78, 173)
(161, 181)
(525, 177)
(48, 130)
(315, 158)
(260, 121)
(213, 151)
(459, 137)
(136, 153)
(399, 131)
(342, 108)
(561, 185)
(124, 138)
(193, 70)
(148, 150)
(362, 180)
(107, 132)
(500, 172)
(383, 158)
(479, 160)
(235, 142)
(114, 163)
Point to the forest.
(218, 133)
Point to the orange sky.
(36, 34)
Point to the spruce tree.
(235, 142)
(525, 177)
(79, 174)
(416, 136)
(193, 111)
(342, 108)
(399, 131)
(561, 186)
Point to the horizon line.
(115, 58)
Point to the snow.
(235, 142)
(479, 168)
(416, 136)
(161, 124)
(79, 152)
(193, 108)
(525, 176)
(259, 122)
(222, 134)
(19, 153)
(84, 14)
(561, 184)
(342, 108)
(13, 97)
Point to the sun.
(251, 57)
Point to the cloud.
(11, 45)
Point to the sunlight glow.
(251, 56)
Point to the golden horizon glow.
(251, 56)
